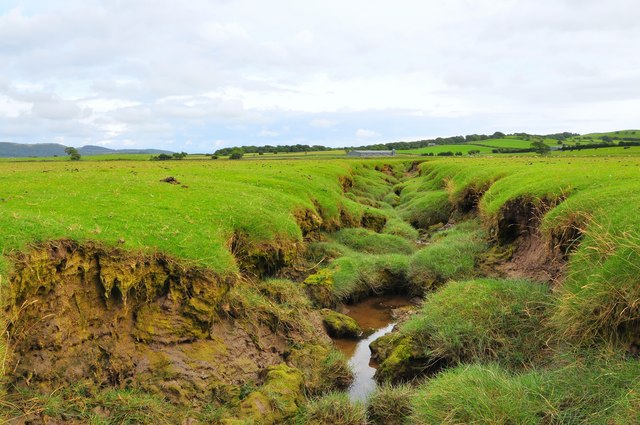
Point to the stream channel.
(376, 317)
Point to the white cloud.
(159, 72)
(366, 134)
(269, 133)
(322, 123)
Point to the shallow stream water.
(375, 317)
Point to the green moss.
(277, 399)
(277, 303)
(319, 288)
(340, 325)
(402, 362)
(153, 324)
(324, 368)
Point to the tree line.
(402, 145)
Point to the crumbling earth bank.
(82, 314)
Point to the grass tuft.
(390, 405)
(483, 320)
(334, 409)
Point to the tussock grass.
(109, 406)
(600, 299)
(451, 255)
(425, 209)
(596, 388)
(390, 405)
(396, 226)
(334, 409)
(325, 368)
(483, 320)
(478, 395)
(357, 276)
(369, 242)
(278, 304)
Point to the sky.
(199, 75)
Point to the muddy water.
(375, 317)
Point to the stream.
(375, 317)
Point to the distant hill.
(19, 150)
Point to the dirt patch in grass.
(535, 259)
(534, 255)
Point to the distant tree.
(214, 157)
(540, 147)
(236, 153)
(162, 157)
(607, 139)
(498, 135)
(73, 153)
(458, 153)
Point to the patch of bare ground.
(521, 250)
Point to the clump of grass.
(371, 183)
(366, 241)
(600, 298)
(585, 388)
(357, 276)
(451, 255)
(277, 303)
(593, 387)
(325, 369)
(425, 209)
(110, 406)
(334, 409)
(483, 320)
(479, 395)
(396, 226)
(390, 405)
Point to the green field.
(193, 220)
(527, 265)
(464, 148)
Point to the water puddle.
(375, 317)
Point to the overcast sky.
(197, 75)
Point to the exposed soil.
(534, 259)
(83, 314)
(533, 255)
(170, 180)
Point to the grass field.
(194, 220)
(464, 148)
(510, 348)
